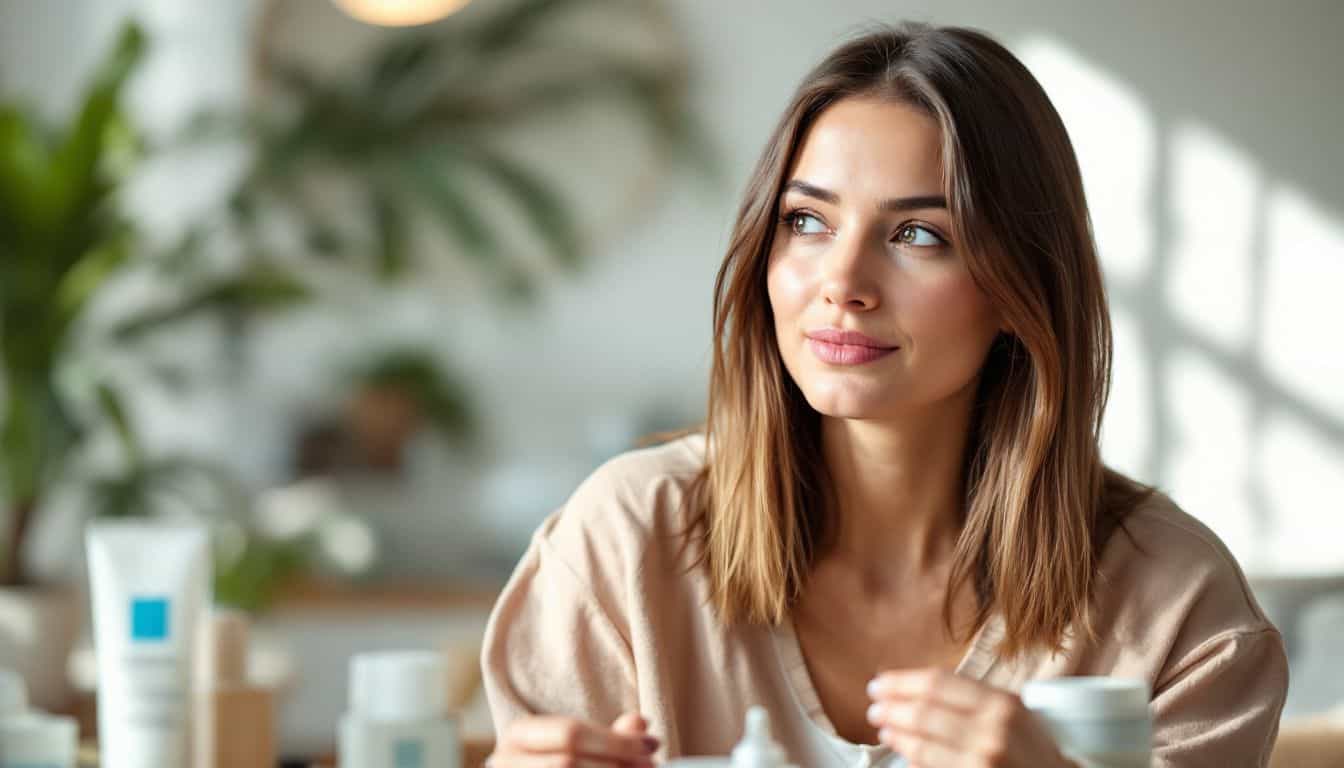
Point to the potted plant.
(61, 239)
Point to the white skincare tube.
(150, 585)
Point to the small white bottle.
(29, 738)
(757, 749)
(398, 715)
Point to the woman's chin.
(851, 405)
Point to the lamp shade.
(399, 13)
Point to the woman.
(897, 513)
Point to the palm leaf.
(447, 197)
(114, 410)
(541, 205)
(76, 161)
(391, 227)
(263, 287)
(82, 281)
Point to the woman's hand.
(544, 741)
(936, 719)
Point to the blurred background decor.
(61, 239)
(510, 204)
(397, 170)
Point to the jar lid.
(1088, 698)
(398, 686)
(13, 694)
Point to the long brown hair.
(1039, 503)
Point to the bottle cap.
(757, 749)
(1088, 698)
(231, 640)
(13, 694)
(398, 686)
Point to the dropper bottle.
(757, 749)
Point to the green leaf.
(542, 205)
(437, 174)
(25, 176)
(264, 287)
(79, 284)
(250, 582)
(76, 161)
(142, 487)
(21, 441)
(402, 60)
(444, 399)
(391, 228)
(110, 403)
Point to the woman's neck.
(899, 488)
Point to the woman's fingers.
(630, 723)
(937, 718)
(920, 752)
(946, 688)
(576, 738)
(928, 719)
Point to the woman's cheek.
(948, 306)
(789, 286)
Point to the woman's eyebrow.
(916, 202)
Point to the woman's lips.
(847, 354)
(837, 347)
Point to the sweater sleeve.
(1219, 704)
(551, 647)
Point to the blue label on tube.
(149, 619)
(408, 753)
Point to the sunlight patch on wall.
(1304, 481)
(1304, 302)
(1213, 189)
(1211, 442)
(1126, 434)
(1115, 139)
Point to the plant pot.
(383, 419)
(38, 626)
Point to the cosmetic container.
(29, 738)
(150, 583)
(398, 714)
(1099, 722)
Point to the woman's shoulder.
(629, 500)
(1163, 559)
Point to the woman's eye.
(804, 224)
(913, 234)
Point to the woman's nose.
(846, 278)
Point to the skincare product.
(398, 716)
(1100, 722)
(757, 749)
(32, 739)
(241, 731)
(150, 585)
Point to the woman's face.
(875, 311)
